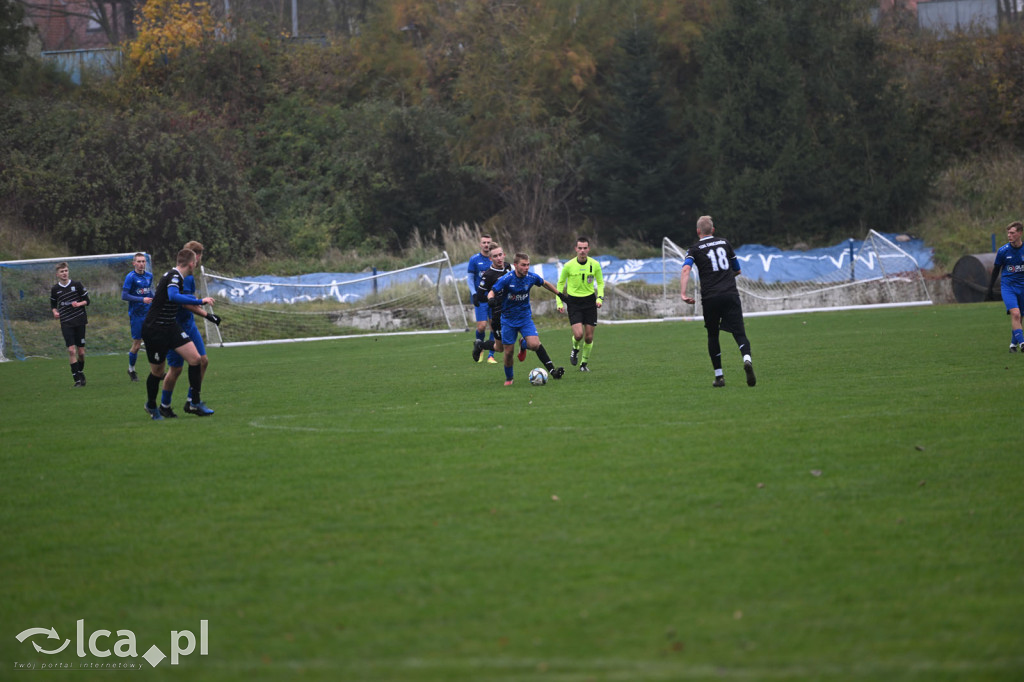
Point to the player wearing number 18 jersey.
(717, 267)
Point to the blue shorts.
(1013, 297)
(483, 312)
(510, 328)
(136, 322)
(175, 360)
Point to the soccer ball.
(538, 376)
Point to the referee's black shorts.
(582, 309)
(724, 312)
(159, 340)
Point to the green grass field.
(384, 509)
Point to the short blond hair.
(185, 257)
(705, 225)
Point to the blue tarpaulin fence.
(763, 263)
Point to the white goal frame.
(8, 341)
(899, 283)
(446, 293)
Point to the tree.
(806, 133)
(635, 171)
(14, 36)
(166, 28)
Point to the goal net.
(27, 326)
(873, 273)
(267, 309)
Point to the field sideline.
(384, 509)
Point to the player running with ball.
(517, 316)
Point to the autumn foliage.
(167, 28)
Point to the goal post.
(27, 326)
(423, 298)
(874, 273)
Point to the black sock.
(195, 381)
(74, 370)
(152, 388)
(81, 364)
(544, 357)
(488, 344)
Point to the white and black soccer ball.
(538, 376)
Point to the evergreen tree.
(805, 135)
(634, 172)
(14, 35)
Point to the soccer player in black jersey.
(68, 299)
(718, 268)
(162, 333)
(491, 275)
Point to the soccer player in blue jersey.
(478, 265)
(1009, 264)
(138, 291)
(517, 316)
(175, 362)
(718, 268)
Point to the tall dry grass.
(972, 200)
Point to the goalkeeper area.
(27, 326)
(422, 298)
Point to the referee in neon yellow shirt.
(583, 283)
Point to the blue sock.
(132, 357)
(480, 335)
(189, 396)
(1018, 336)
(165, 397)
(508, 373)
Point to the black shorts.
(582, 310)
(496, 325)
(724, 312)
(73, 336)
(160, 340)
